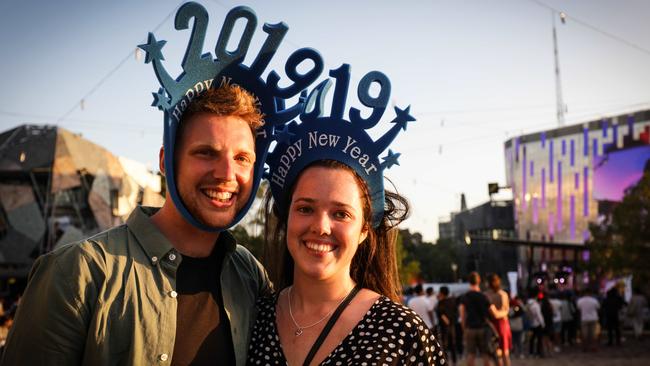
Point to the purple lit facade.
(559, 175)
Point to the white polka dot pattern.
(388, 334)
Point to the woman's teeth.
(323, 248)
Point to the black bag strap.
(330, 324)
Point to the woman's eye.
(304, 209)
(342, 215)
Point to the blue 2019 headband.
(320, 137)
(202, 71)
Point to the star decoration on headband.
(403, 116)
(153, 49)
(390, 160)
(160, 100)
(284, 135)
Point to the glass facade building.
(560, 177)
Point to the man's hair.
(429, 291)
(418, 288)
(474, 278)
(444, 290)
(226, 100)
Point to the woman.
(499, 308)
(336, 270)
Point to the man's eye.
(244, 159)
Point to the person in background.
(474, 312)
(567, 312)
(635, 310)
(499, 309)
(534, 313)
(589, 306)
(547, 313)
(431, 296)
(556, 306)
(447, 312)
(421, 304)
(612, 306)
(516, 317)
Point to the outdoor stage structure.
(57, 187)
(563, 180)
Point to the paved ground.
(630, 353)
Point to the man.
(612, 306)
(589, 307)
(422, 306)
(537, 324)
(430, 294)
(158, 290)
(635, 311)
(447, 316)
(474, 311)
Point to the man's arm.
(461, 310)
(52, 320)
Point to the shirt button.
(163, 357)
(154, 259)
(172, 257)
(173, 294)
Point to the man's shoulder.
(92, 248)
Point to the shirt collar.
(152, 241)
(155, 244)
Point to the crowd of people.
(494, 326)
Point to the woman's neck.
(309, 294)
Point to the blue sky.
(476, 73)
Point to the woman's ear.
(364, 234)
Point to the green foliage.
(425, 261)
(408, 268)
(253, 243)
(620, 245)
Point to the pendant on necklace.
(298, 332)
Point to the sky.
(475, 72)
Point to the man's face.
(214, 167)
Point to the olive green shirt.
(111, 300)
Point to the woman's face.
(325, 224)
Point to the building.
(57, 187)
(564, 179)
(480, 234)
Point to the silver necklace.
(299, 328)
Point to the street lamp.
(454, 267)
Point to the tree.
(620, 244)
(425, 261)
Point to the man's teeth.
(218, 195)
(319, 247)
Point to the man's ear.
(161, 161)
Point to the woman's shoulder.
(407, 332)
(398, 317)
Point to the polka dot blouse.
(388, 334)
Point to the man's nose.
(225, 169)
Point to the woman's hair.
(374, 265)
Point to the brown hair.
(226, 100)
(374, 265)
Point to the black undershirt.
(202, 328)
